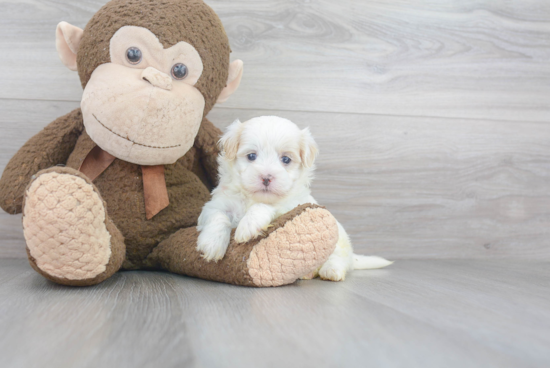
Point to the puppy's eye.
(133, 55)
(179, 71)
(251, 156)
(286, 160)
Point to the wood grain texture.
(402, 187)
(477, 59)
(413, 314)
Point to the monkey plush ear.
(233, 80)
(308, 148)
(229, 142)
(67, 40)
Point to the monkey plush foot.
(70, 238)
(296, 244)
(296, 247)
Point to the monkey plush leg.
(296, 244)
(70, 238)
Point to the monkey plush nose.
(157, 78)
(266, 181)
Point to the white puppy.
(265, 170)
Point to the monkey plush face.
(143, 106)
(144, 99)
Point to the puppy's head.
(268, 156)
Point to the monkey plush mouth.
(129, 140)
(138, 122)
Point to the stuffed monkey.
(120, 182)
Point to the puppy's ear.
(229, 142)
(308, 148)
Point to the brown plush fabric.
(172, 21)
(50, 147)
(188, 181)
(206, 143)
(121, 186)
(177, 254)
(168, 240)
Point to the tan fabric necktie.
(96, 162)
(154, 184)
(154, 190)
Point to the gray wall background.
(433, 118)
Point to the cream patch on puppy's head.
(267, 157)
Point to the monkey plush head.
(150, 69)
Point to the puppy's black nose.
(266, 181)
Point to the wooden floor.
(436, 313)
(433, 121)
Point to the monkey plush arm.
(50, 147)
(206, 144)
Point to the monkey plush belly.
(121, 186)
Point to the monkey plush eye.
(179, 71)
(251, 156)
(133, 54)
(286, 160)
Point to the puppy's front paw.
(248, 229)
(213, 245)
(333, 270)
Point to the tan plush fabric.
(117, 257)
(64, 226)
(293, 250)
(156, 79)
(66, 42)
(145, 40)
(291, 245)
(191, 21)
(233, 80)
(138, 122)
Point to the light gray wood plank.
(482, 299)
(402, 187)
(12, 242)
(13, 268)
(476, 59)
(414, 314)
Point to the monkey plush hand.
(120, 182)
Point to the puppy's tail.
(369, 262)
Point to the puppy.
(265, 170)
